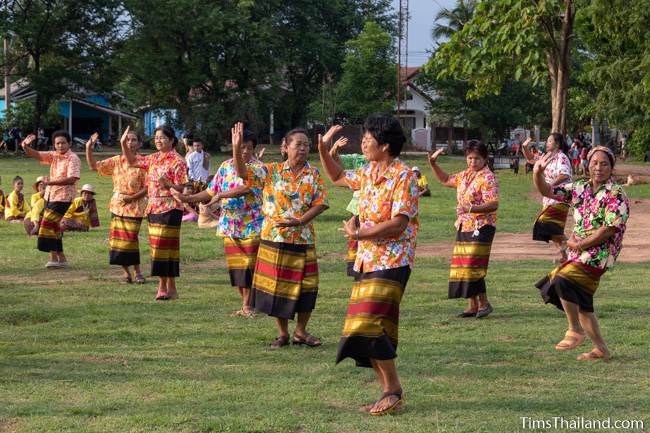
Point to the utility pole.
(7, 70)
(402, 49)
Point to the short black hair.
(17, 178)
(478, 147)
(61, 133)
(386, 130)
(250, 136)
(169, 132)
(559, 140)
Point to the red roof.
(407, 73)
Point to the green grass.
(80, 352)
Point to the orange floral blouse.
(158, 164)
(383, 196)
(127, 180)
(475, 188)
(284, 196)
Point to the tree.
(513, 39)
(368, 81)
(616, 38)
(450, 21)
(60, 45)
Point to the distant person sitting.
(16, 208)
(190, 210)
(423, 185)
(82, 213)
(37, 202)
(198, 162)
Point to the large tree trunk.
(558, 61)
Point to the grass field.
(80, 352)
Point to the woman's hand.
(165, 182)
(27, 142)
(125, 135)
(178, 195)
(527, 142)
(465, 207)
(260, 153)
(331, 133)
(433, 156)
(574, 243)
(349, 228)
(289, 222)
(92, 140)
(542, 163)
(338, 144)
(237, 136)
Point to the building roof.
(407, 73)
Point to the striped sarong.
(49, 232)
(572, 281)
(550, 222)
(285, 280)
(351, 256)
(469, 262)
(370, 328)
(124, 247)
(164, 243)
(241, 255)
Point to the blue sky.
(421, 14)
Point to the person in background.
(2, 202)
(65, 171)
(198, 162)
(190, 211)
(82, 213)
(37, 203)
(16, 208)
(423, 184)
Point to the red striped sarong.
(285, 280)
(572, 281)
(370, 330)
(469, 262)
(550, 222)
(241, 255)
(49, 232)
(165, 242)
(124, 246)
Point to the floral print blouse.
(559, 166)
(607, 206)
(61, 166)
(475, 188)
(284, 196)
(385, 194)
(169, 164)
(241, 217)
(127, 180)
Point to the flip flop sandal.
(595, 354)
(465, 314)
(238, 313)
(127, 280)
(307, 340)
(249, 314)
(139, 279)
(572, 339)
(392, 407)
(280, 342)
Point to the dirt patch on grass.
(9, 425)
(517, 246)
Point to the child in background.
(37, 202)
(82, 213)
(423, 184)
(190, 210)
(15, 206)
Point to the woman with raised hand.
(166, 171)
(477, 196)
(601, 211)
(285, 283)
(386, 230)
(60, 191)
(240, 219)
(550, 223)
(127, 205)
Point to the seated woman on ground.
(37, 202)
(190, 210)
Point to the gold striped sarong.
(49, 232)
(469, 262)
(550, 222)
(241, 255)
(124, 246)
(572, 281)
(285, 281)
(164, 242)
(370, 330)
